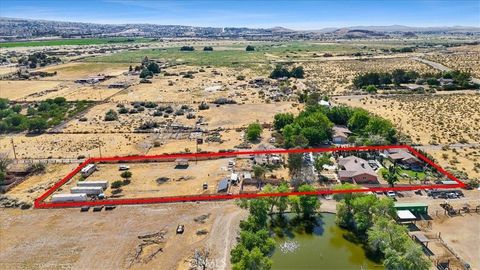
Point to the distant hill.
(18, 29)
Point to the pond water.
(324, 248)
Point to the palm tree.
(391, 175)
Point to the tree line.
(281, 71)
(313, 127)
(461, 79)
(39, 116)
(372, 220)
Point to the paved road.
(453, 145)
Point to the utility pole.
(99, 147)
(13, 146)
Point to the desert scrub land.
(428, 119)
(464, 58)
(335, 77)
(462, 159)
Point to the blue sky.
(291, 14)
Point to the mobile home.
(88, 170)
(87, 190)
(103, 184)
(80, 197)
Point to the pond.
(324, 248)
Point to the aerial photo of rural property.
(245, 135)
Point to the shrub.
(250, 48)
(111, 115)
(116, 184)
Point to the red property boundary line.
(40, 201)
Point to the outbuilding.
(223, 186)
(415, 208)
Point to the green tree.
(253, 260)
(254, 130)
(371, 89)
(282, 202)
(358, 120)
(126, 175)
(3, 103)
(145, 73)
(282, 119)
(37, 125)
(297, 72)
(320, 160)
(391, 175)
(153, 67)
(309, 204)
(279, 72)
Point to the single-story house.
(340, 134)
(400, 156)
(356, 170)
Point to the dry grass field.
(72, 146)
(428, 119)
(78, 70)
(225, 116)
(335, 77)
(18, 90)
(466, 159)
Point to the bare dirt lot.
(162, 179)
(69, 239)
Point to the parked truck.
(79, 197)
(87, 190)
(103, 184)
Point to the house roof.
(222, 185)
(354, 166)
(339, 131)
(399, 154)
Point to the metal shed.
(415, 208)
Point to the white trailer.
(80, 197)
(87, 190)
(88, 170)
(103, 184)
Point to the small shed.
(415, 208)
(222, 186)
(181, 162)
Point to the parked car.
(391, 194)
(180, 229)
